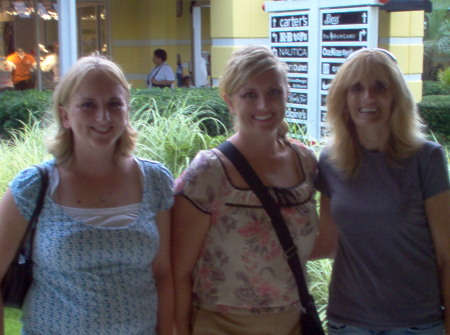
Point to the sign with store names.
(342, 32)
(290, 41)
(314, 43)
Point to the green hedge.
(435, 110)
(16, 106)
(435, 88)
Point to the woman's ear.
(64, 117)
(229, 103)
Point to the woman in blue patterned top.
(101, 251)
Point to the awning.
(407, 5)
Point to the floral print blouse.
(241, 268)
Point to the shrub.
(169, 100)
(444, 77)
(435, 110)
(435, 88)
(17, 106)
(175, 135)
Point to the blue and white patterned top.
(93, 280)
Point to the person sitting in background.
(162, 75)
(101, 255)
(187, 82)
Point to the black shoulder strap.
(29, 234)
(281, 229)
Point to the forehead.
(371, 73)
(97, 82)
(267, 78)
(100, 78)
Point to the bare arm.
(190, 227)
(162, 272)
(162, 82)
(326, 243)
(438, 213)
(12, 229)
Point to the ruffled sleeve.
(25, 189)
(201, 181)
(160, 184)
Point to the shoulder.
(25, 186)
(303, 151)
(205, 160)
(428, 153)
(204, 166)
(158, 189)
(429, 146)
(154, 169)
(30, 176)
(432, 153)
(167, 66)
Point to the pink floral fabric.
(241, 268)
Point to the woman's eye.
(249, 95)
(87, 104)
(275, 91)
(116, 104)
(380, 87)
(356, 87)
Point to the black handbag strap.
(28, 238)
(281, 229)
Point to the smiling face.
(260, 104)
(96, 113)
(370, 102)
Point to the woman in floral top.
(230, 272)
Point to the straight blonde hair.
(405, 124)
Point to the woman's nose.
(103, 114)
(262, 103)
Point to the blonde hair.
(405, 124)
(61, 145)
(247, 63)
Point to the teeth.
(102, 130)
(263, 117)
(368, 110)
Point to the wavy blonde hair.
(247, 63)
(405, 124)
(61, 145)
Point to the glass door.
(92, 28)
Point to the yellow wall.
(235, 20)
(402, 33)
(138, 27)
(229, 24)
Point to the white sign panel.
(290, 37)
(314, 42)
(342, 32)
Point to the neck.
(95, 163)
(256, 146)
(374, 139)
